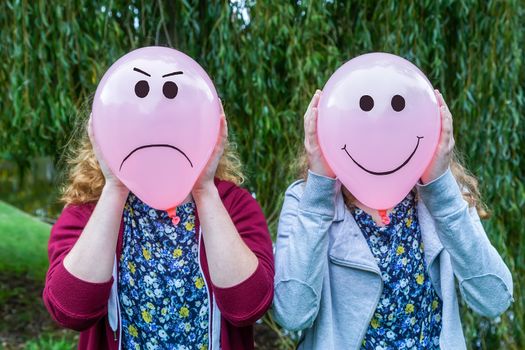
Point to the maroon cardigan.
(83, 306)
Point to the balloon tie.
(385, 219)
(172, 213)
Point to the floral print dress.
(408, 315)
(162, 292)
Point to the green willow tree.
(266, 59)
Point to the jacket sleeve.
(246, 302)
(72, 302)
(301, 250)
(484, 280)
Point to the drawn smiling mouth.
(156, 145)
(389, 171)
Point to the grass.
(50, 342)
(24, 322)
(23, 243)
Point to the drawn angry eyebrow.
(141, 71)
(172, 73)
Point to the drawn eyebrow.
(141, 71)
(172, 73)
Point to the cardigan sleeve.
(246, 302)
(72, 302)
(485, 282)
(301, 250)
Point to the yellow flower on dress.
(189, 226)
(435, 304)
(408, 222)
(400, 250)
(199, 283)
(203, 347)
(146, 253)
(133, 331)
(420, 278)
(164, 311)
(131, 266)
(374, 323)
(184, 312)
(409, 308)
(150, 305)
(146, 316)
(177, 253)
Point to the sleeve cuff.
(442, 196)
(77, 297)
(319, 195)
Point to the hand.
(443, 155)
(112, 181)
(316, 160)
(205, 181)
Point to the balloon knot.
(172, 213)
(385, 219)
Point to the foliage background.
(266, 59)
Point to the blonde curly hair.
(467, 182)
(85, 181)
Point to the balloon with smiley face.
(156, 119)
(378, 127)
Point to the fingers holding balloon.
(205, 180)
(447, 132)
(310, 114)
(223, 138)
(442, 157)
(313, 103)
(109, 177)
(316, 161)
(310, 121)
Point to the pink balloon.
(378, 127)
(156, 118)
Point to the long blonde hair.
(84, 179)
(467, 182)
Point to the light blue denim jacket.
(327, 281)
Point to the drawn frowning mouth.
(155, 145)
(384, 172)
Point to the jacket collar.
(349, 246)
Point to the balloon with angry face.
(378, 127)
(156, 119)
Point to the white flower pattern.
(161, 288)
(408, 315)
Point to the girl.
(126, 277)
(351, 282)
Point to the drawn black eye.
(398, 103)
(142, 88)
(170, 89)
(366, 102)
